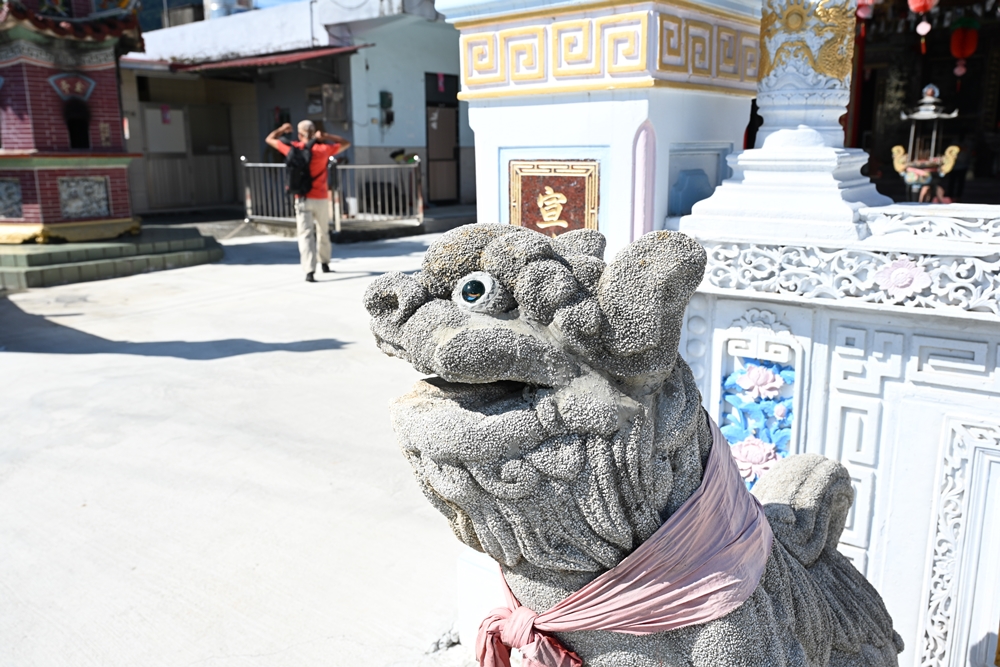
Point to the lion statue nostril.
(383, 303)
(394, 297)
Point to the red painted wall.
(15, 121)
(48, 125)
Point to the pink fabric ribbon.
(703, 562)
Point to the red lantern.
(921, 6)
(865, 12)
(964, 40)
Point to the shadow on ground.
(24, 332)
(272, 251)
(282, 251)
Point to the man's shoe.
(310, 277)
(326, 268)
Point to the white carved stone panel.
(958, 533)
(696, 341)
(979, 605)
(10, 198)
(84, 197)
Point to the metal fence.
(358, 193)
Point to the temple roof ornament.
(930, 106)
(121, 23)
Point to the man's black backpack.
(300, 178)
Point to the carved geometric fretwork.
(676, 45)
(857, 530)
(859, 364)
(948, 362)
(855, 424)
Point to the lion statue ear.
(643, 294)
(580, 242)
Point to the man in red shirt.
(312, 212)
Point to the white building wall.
(405, 49)
(287, 27)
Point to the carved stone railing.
(945, 258)
(889, 352)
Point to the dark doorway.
(77, 116)
(441, 92)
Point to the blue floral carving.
(758, 414)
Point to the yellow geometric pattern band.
(682, 46)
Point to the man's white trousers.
(312, 224)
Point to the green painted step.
(23, 277)
(149, 242)
(44, 265)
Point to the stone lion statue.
(559, 429)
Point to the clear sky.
(264, 4)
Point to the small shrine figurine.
(921, 165)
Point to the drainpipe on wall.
(312, 25)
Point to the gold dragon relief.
(833, 23)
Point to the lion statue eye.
(473, 290)
(480, 293)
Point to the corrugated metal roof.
(270, 60)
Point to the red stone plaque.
(554, 196)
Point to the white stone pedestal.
(801, 184)
(793, 187)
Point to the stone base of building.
(71, 232)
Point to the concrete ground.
(228, 223)
(197, 468)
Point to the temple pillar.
(625, 110)
(799, 182)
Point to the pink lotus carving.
(754, 457)
(780, 411)
(902, 278)
(760, 382)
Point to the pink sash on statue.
(702, 563)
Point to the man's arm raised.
(272, 139)
(333, 139)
